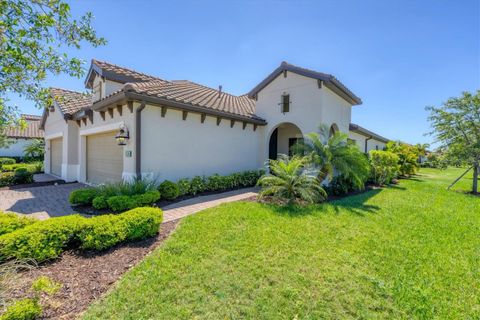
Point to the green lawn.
(409, 251)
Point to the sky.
(397, 56)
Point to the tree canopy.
(456, 126)
(34, 38)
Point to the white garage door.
(104, 158)
(56, 156)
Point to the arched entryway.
(282, 139)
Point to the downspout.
(366, 143)
(138, 141)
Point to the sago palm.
(288, 181)
(333, 154)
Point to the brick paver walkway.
(187, 207)
(40, 202)
(52, 201)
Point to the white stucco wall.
(107, 87)
(372, 144)
(173, 148)
(15, 149)
(310, 106)
(56, 127)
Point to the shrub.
(289, 183)
(217, 182)
(4, 161)
(6, 179)
(183, 186)
(83, 196)
(22, 175)
(147, 198)
(105, 231)
(41, 241)
(121, 203)
(407, 157)
(384, 166)
(10, 222)
(197, 185)
(47, 239)
(127, 188)
(169, 190)
(100, 202)
(46, 285)
(343, 185)
(25, 309)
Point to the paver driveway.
(52, 201)
(40, 202)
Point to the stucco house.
(134, 124)
(21, 137)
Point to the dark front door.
(272, 147)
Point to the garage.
(56, 156)
(104, 158)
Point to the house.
(21, 137)
(134, 124)
(366, 139)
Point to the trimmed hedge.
(47, 239)
(10, 222)
(31, 167)
(82, 196)
(122, 203)
(169, 190)
(109, 230)
(4, 161)
(217, 182)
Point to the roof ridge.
(202, 85)
(69, 90)
(128, 69)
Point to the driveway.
(40, 202)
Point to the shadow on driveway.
(41, 202)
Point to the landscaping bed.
(86, 276)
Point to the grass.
(409, 251)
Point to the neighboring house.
(176, 129)
(366, 139)
(21, 137)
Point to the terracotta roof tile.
(196, 95)
(32, 130)
(122, 74)
(71, 101)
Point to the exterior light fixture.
(122, 136)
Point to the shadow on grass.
(356, 204)
(352, 204)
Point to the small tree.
(34, 37)
(456, 126)
(332, 154)
(407, 156)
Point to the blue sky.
(398, 56)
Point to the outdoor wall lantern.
(122, 136)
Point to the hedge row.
(45, 240)
(10, 222)
(217, 182)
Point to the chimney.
(219, 90)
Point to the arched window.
(333, 129)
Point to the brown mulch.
(86, 276)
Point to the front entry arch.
(282, 139)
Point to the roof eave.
(124, 96)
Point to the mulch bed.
(86, 276)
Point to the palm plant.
(34, 149)
(333, 154)
(288, 181)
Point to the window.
(376, 147)
(285, 103)
(333, 129)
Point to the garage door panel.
(56, 151)
(104, 158)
